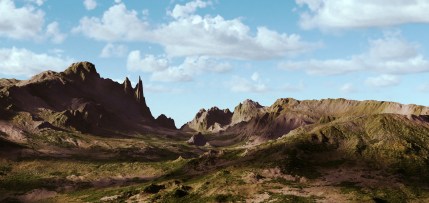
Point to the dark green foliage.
(179, 193)
(153, 188)
(24, 182)
(5, 169)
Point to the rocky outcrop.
(245, 111)
(165, 122)
(139, 91)
(197, 140)
(128, 89)
(82, 70)
(78, 99)
(212, 120)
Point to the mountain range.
(77, 119)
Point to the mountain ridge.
(287, 114)
(79, 98)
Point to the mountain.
(74, 136)
(250, 119)
(211, 120)
(77, 99)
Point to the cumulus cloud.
(16, 61)
(190, 67)
(148, 63)
(90, 4)
(173, 74)
(388, 55)
(116, 24)
(54, 34)
(332, 14)
(180, 11)
(254, 84)
(113, 50)
(383, 81)
(162, 69)
(218, 37)
(190, 34)
(20, 23)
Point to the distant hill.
(250, 120)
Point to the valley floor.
(217, 175)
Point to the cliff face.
(251, 119)
(77, 99)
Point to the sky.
(204, 53)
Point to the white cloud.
(383, 81)
(255, 84)
(54, 34)
(348, 88)
(173, 74)
(90, 4)
(117, 24)
(20, 23)
(162, 69)
(217, 37)
(148, 63)
(113, 50)
(118, 1)
(180, 11)
(333, 14)
(190, 67)
(17, 61)
(392, 47)
(389, 55)
(189, 34)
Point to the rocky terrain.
(73, 136)
(252, 121)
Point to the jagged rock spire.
(139, 97)
(139, 91)
(128, 89)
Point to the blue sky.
(198, 54)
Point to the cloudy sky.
(203, 53)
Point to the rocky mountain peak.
(165, 122)
(213, 119)
(83, 70)
(250, 103)
(245, 111)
